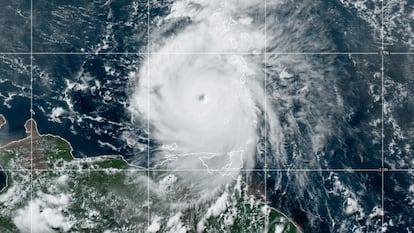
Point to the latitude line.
(345, 170)
(402, 53)
(195, 53)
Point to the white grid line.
(195, 53)
(382, 141)
(148, 121)
(265, 115)
(31, 114)
(402, 53)
(148, 53)
(350, 170)
(382, 117)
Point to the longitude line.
(31, 114)
(265, 102)
(148, 120)
(265, 114)
(382, 117)
(382, 143)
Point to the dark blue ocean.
(85, 53)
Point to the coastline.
(32, 134)
(2, 120)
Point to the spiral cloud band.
(203, 109)
(216, 101)
(202, 99)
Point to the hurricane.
(201, 109)
(207, 116)
(228, 88)
(202, 87)
(204, 95)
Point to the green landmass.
(60, 193)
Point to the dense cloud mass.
(202, 88)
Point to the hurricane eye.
(202, 98)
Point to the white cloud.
(43, 215)
(204, 104)
(155, 225)
(214, 210)
(174, 224)
(57, 112)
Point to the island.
(2, 120)
(47, 189)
